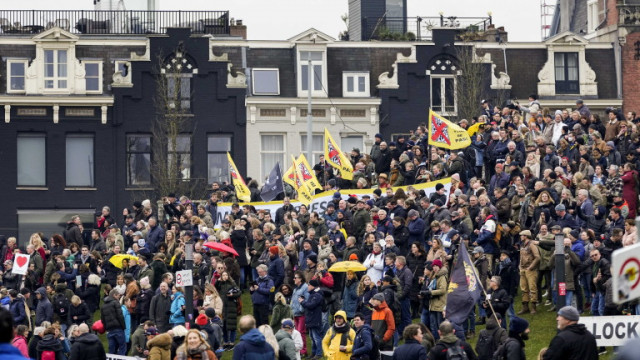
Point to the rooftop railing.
(419, 27)
(115, 22)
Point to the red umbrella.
(220, 247)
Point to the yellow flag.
(336, 158)
(242, 191)
(304, 195)
(445, 134)
(290, 177)
(308, 178)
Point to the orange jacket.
(382, 321)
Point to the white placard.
(612, 330)
(184, 278)
(20, 264)
(625, 273)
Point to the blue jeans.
(471, 320)
(316, 341)
(585, 282)
(117, 343)
(424, 318)
(435, 319)
(597, 305)
(229, 336)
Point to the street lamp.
(188, 290)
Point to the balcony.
(628, 15)
(113, 22)
(419, 28)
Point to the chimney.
(237, 29)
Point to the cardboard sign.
(20, 264)
(612, 330)
(184, 278)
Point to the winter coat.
(111, 315)
(160, 347)
(439, 352)
(87, 347)
(363, 342)
(298, 291)
(406, 281)
(313, 309)
(253, 346)
(81, 312)
(575, 342)
(21, 344)
(159, 310)
(439, 294)
(177, 315)
(411, 349)
(262, 295)
(350, 298)
(286, 344)
(91, 296)
(514, 349)
(229, 303)
(44, 310)
(280, 312)
(50, 343)
(383, 325)
(33, 347)
(10, 352)
(239, 242)
(375, 271)
(363, 302)
(416, 231)
(276, 271)
(143, 304)
(17, 309)
(332, 341)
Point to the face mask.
(525, 336)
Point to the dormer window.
(318, 73)
(55, 69)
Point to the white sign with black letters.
(184, 278)
(612, 330)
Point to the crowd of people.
(530, 175)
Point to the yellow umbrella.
(344, 266)
(116, 259)
(475, 128)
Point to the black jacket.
(91, 295)
(575, 342)
(159, 310)
(33, 346)
(50, 343)
(143, 304)
(410, 350)
(514, 348)
(81, 311)
(87, 347)
(111, 314)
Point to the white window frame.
(25, 63)
(443, 93)
(355, 74)
(304, 62)
(224, 170)
(253, 81)
(283, 159)
(56, 78)
(592, 15)
(99, 63)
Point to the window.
(138, 159)
(318, 73)
(317, 147)
(179, 91)
(180, 156)
(349, 142)
(265, 81)
(566, 71)
(355, 84)
(79, 160)
(93, 76)
(217, 148)
(49, 221)
(443, 94)
(272, 151)
(55, 69)
(32, 160)
(16, 78)
(122, 67)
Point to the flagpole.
(282, 179)
(484, 291)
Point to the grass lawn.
(543, 328)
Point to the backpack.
(282, 355)
(501, 353)
(487, 344)
(48, 355)
(393, 303)
(456, 352)
(61, 305)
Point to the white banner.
(20, 264)
(320, 201)
(612, 330)
(120, 357)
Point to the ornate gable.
(312, 36)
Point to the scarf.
(192, 353)
(344, 330)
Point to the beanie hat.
(378, 296)
(437, 262)
(313, 258)
(518, 325)
(570, 313)
(202, 320)
(314, 282)
(210, 312)
(273, 250)
(353, 257)
(439, 186)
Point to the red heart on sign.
(21, 260)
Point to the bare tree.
(172, 127)
(471, 82)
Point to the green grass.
(542, 325)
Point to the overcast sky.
(282, 19)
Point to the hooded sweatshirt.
(253, 346)
(44, 310)
(286, 344)
(87, 347)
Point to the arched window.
(443, 82)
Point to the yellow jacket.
(331, 342)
